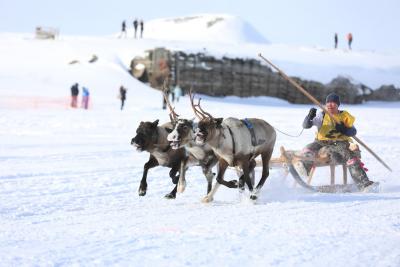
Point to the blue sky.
(374, 24)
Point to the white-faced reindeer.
(236, 143)
(200, 155)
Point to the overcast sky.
(374, 24)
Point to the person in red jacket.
(350, 39)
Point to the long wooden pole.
(316, 102)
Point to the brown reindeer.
(236, 143)
(153, 138)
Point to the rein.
(287, 133)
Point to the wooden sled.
(288, 158)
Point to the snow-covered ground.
(69, 177)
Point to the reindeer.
(153, 138)
(236, 143)
(182, 136)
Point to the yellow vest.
(328, 131)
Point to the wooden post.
(332, 167)
(344, 173)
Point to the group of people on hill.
(349, 38)
(75, 94)
(136, 24)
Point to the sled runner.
(289, 157)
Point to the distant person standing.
(177, 92)
(74, 95)
(122, 96)
(167, 93)
(135, 25)
(141, 28)
(350, 39)
(85, 98)
(336, 40)
(123, 29)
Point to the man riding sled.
(336, 141)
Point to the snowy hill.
(69, 177)
(215, 28)
(42, 61)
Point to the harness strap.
(233, 140)
(250, 127)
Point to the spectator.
(122, 96)
(350, 39)
(135, 25)
(141, 28)
(177, 92)
(74, 95)
(123, 30)
(336, 40)
(85, 98)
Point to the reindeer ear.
(169, 130)
(155, 123)
(219, 120)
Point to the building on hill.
(235, 76)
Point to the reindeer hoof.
(253, 197)
(170, 196)
(233, 184)
(181, 187)
(207, 199)
(142, 192)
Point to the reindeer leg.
(250, 182)
(173, 174)
(172, 194)
(143, 183)
(222, 165)
(245, 177)
(182, 178)
(265, 173)
(209, 176)
(174, 177)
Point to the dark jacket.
(74, 90)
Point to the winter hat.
(332, 97)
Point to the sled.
(289, 157)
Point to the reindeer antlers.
(172, 114)
(198, 111)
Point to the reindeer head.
(181, 134)
(206, 129)
(207, 124)
(146, 135)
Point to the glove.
(308, 123)
(312, 113)
(341, 128)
